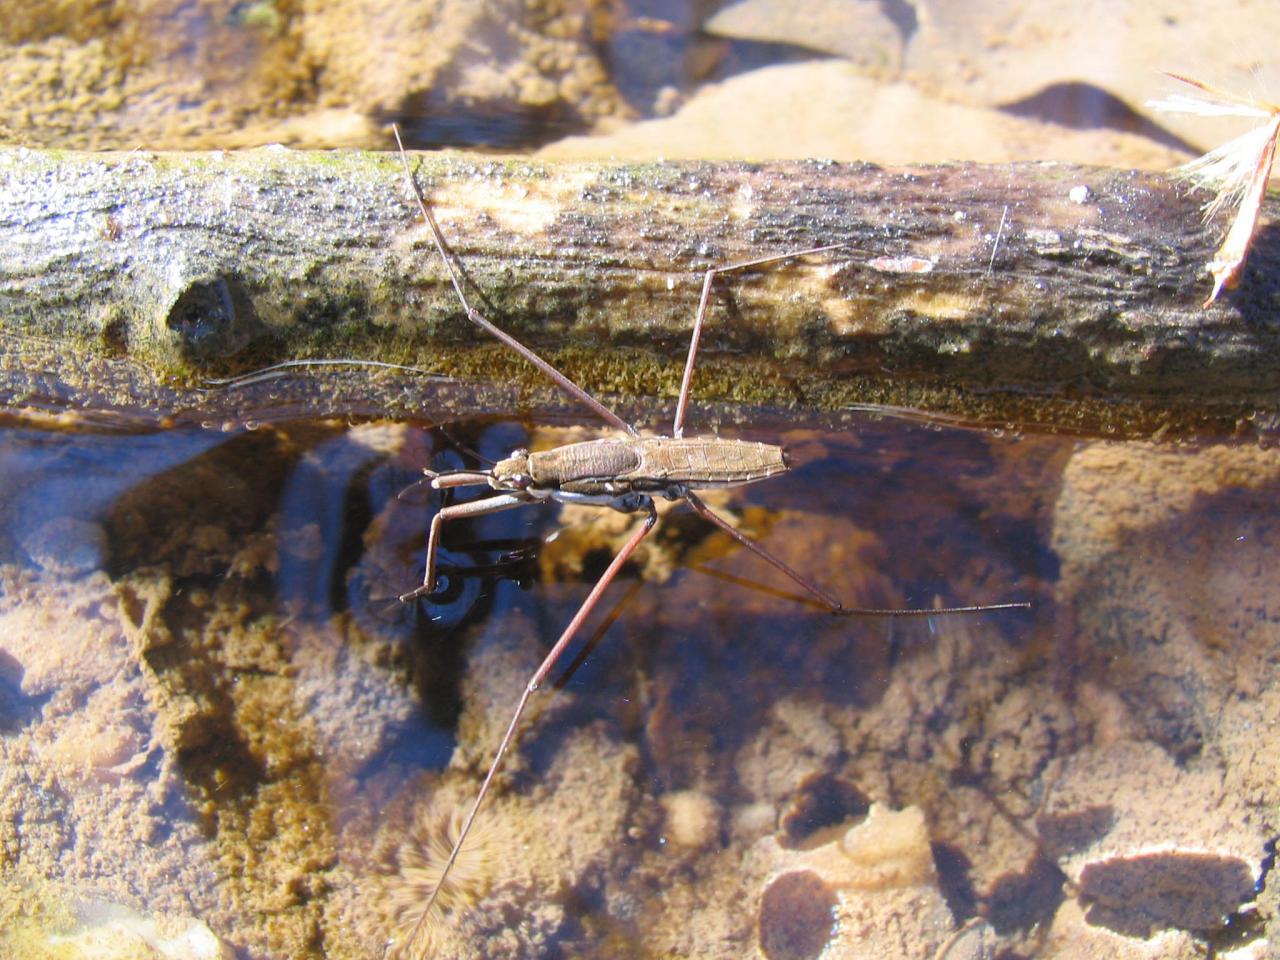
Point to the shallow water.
(217, 715)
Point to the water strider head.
(513, 472)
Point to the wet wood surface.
(1037, 294)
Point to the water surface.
(216, 713)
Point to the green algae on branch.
(965, 283)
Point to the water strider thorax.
(666, 466)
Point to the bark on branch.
(120, 272)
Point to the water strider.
(623, 473)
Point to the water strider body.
(603, 470)
(624, 473)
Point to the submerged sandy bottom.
(220, 735)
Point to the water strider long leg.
(456, 511)
(836, 606)
(682, 404)
(704, 511)
(534, 683)
(481, 321)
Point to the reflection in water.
(215, 713)
(59, 488)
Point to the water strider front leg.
(456, 511)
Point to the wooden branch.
(121, 273)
